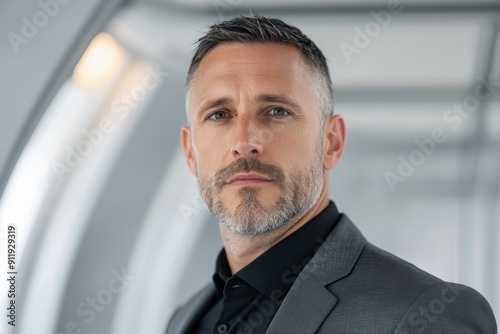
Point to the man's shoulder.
(382, 279)
(396, 295)
(430, 304)
(389, 270)
(346, 256)
(448, 308)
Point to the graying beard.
(269, 220)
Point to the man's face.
(255, 142)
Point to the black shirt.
(248, 300)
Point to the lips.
(248, 179)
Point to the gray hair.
(260, 29)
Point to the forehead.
(270, 67)
(279, 56)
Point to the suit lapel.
(304, 309)
(309, 302)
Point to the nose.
(247, 142)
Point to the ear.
(188, 148)
(333, 142)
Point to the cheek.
(297, 146)
(208, 155)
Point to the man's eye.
(279, 112)
(218, 115)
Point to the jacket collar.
(309, 302)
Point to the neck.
(243, 249)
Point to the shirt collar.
(275, 270)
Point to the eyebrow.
(261, 98)
(214, 104)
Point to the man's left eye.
(278, 112)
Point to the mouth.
(249, 179)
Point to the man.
(261, 139)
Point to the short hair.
(260, 29)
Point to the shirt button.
(222, 328)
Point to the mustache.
(247, 165)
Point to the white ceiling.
(408, 53)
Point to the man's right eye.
(218, 115)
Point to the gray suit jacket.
(351, 286)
